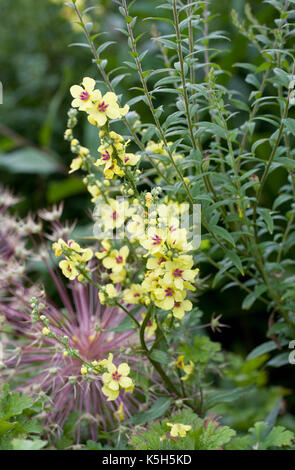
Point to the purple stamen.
(102, 107)
(116, 376)
(105, 156)
(177, 272)
(157, 240)
(84, 96)
(169, 292)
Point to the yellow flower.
(83, 95)
(180, 307)
(111, 291)
(179, 429)
(176, 272)
(120, 276)
(103, 108)
(111, 169)
(45, 331)
(114, 214)
(154, 241)
(157, 263)
(179, 362)
(118, 141)
(157, 149)
(133, 295)
(188, 369)
(177, 240)
(116, 259)
(61, 244)
(106, 247)
(86, 255)
(166, 296)
(148, 199)
(105, 155)
(68, 269)
(57, 247)
(129, 159)
(115, 379)
(119, 414)
(76, 164)
(105, 362)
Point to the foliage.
(261, 438)
(19, 427)
(205, 434)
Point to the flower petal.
(125, 382)
(76, 90)
(124, 369)
(88, 83)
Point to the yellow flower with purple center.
(176, 273)
(134, 294)
(84, 94)
(129, 159)
(155, 241)
(105, 107)
(180, 307)
(116, 259)
(187, 368)
(166, 295)
(111, 169)
(114, 214)
(116, 379)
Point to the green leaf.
(27, 444)
(61, 189)
(278, 436)
(5, 426)
(279, 360)
(212, 128)
(14, 404)
(103, 46)
(251, 298)
(126, 325)
(29, 160)
(157, 410)
(225, 397)
(290, 124)
(236, 261)
(160, 356)
(221, 232)
(262, 349)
